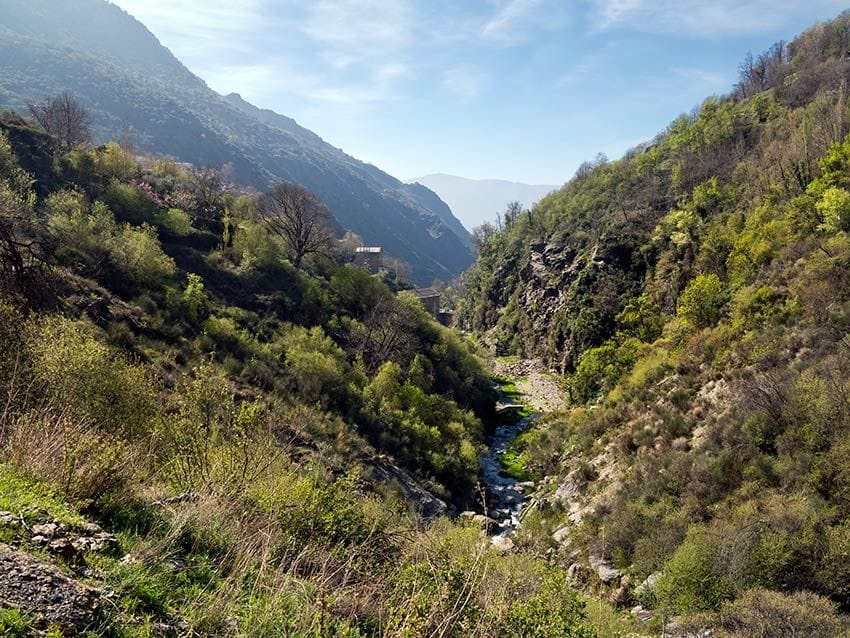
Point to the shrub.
(760, 613)
(691, 580)
(702, 301)
(128, 203)
(316, 365)
(72, 367)
(175, 221)
(834, 210)
(136, 252)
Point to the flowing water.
(507, 493)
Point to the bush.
(692, 580)
(71, 367)
(760, 613)
(702, 301)
(316, 365)
(129, 203)
(136, 252)
(175, 222)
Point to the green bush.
(692, 580)
(136, 252)
(73, 369)
(702, 301)
(175, 222)
(761, 613)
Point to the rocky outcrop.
(426, 503)
(45, 593)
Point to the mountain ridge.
(170, 111)
(476, 201)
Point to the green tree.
(702, 301)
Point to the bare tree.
(65, 119)
(298, 217)
(23, 257)
(208, 186)
(481, 237)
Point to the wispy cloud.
(515, 20)
(466, 81)
(185, 29)
(706, 18)
(265, 81)
(361, 29)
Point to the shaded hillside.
(126, 78)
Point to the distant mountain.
(126, 77)
(475, 201)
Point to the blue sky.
(523, 90)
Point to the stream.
(508, 493)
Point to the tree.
(65, 119)
(299, 218)
(208, 186)
(481, 237)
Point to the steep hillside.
(199, 439)
(127, 78)
(476, 201)
(695, 296)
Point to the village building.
(429, 298)
(369, 257)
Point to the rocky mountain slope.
(122, 73)
(694, 295)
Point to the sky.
(523, 90)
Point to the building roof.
(424, 293)
(368, 249)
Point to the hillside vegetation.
(263, 446)
(695, 296)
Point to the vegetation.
(244, 426)
(694, 295)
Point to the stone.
(503, 544)
(604, 569)
(484, 521)
(649, 584)
(619, 597)
(45, 529)
(45, 593)
(560, 535)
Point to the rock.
(619, 597)
(467, 514)
(503, 544)
(644, 615)
(65, 548)
(45, 529)
(566, 490)
(9, 520)
(485, 521)
(604, 569)
(90, 528)
(427, 504)
(649, 584)
(44, 592)
(560, 534)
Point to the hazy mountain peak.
(475, 201)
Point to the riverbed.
(508, 494)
